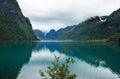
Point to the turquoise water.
(23, 60)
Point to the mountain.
(54, 35)
(97, 28)
(13, 24)
(39, 34)
(51, 35)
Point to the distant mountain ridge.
(13, 24)
(52, 34)
(97, 29)
(94, 28)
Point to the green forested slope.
(97, 28)
(13, 24)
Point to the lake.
(23, 60)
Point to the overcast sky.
(55, 14)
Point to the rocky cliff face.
(97, 19)
(13, 24)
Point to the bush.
(58, 70)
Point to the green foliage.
(13, 25)
(58, 70)
(100, 40)
(63, 51)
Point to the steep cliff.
(13, 24)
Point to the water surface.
(92, 60)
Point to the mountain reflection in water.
(12, 57)
(92, 60)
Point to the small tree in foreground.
(58, 70)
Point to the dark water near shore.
(23, 60)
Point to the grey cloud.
(55, 14)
